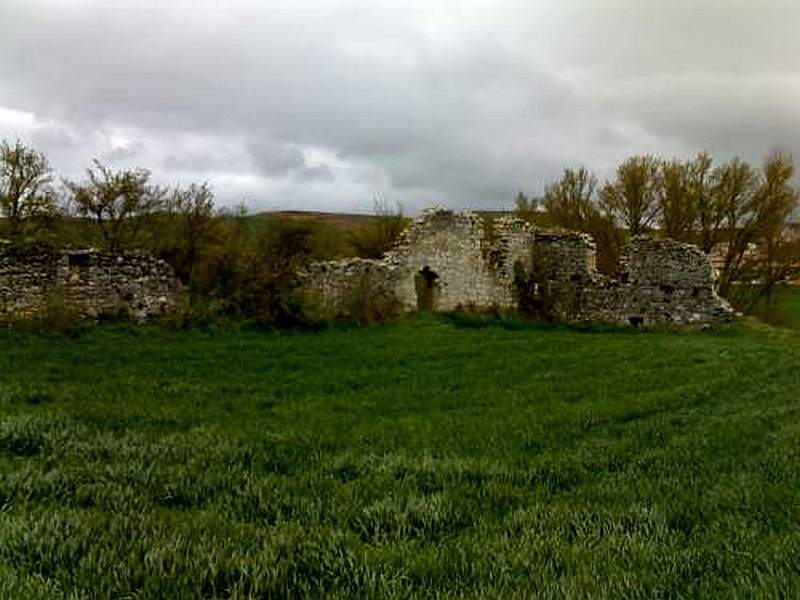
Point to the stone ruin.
(87, 283)
(447, 260)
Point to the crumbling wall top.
(438, 219)
(651, 261)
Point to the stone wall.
(441, 253)
(510, 256)
(660, 281)
(446, 260)
(87, 282)
(338, 286)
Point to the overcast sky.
(327, 105)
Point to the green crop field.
(428, 457)
(785, 308)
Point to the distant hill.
(349, 220)
(340, 220)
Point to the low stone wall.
(446, 260)
(337, 287)
(87, 282)
(563, 256)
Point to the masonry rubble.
(446, 260)
(86, 282)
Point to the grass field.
(428, 457)
(785, 309)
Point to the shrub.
(57, 317)
(374, 240)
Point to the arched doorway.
(426, 288)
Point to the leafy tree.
(269, 288)
(532, 210)
(733, 206)
(734, 186)
(677, 206)
(704, 202)
(609, 241)
(632, 199)
(25, 191)
(118, 202)
(761, 224)
(192, 228)
(570, 202)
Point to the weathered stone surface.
(445, 260)
(451, 247)
(86, 282)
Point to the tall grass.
(426, 457)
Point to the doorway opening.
(426, 288)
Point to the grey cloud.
(124, 152)
(200, 162)
(54, 138)
(275, 159)
(461, 102)
(317, 173)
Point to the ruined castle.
(447, 260)
(443, 261)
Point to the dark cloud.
(463, 103)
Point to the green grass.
(785, 307)
(428, 457)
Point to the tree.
(774, 204)
(632, 198)
(523, 203)
(609, 241)
(756, 210)
(678, 211)
(192, 227)
(731, 206)
(118, 202)
(734, 185)
(704, 202)
(25, 191)
(570, 201)
(268, 283)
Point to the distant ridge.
(353, 219)
(343, 220)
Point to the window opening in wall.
(79, 260)
(426, 288)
